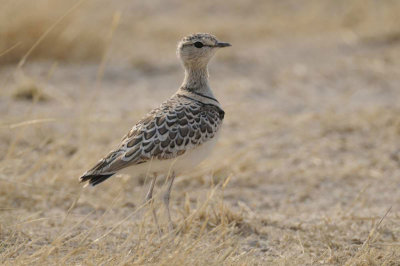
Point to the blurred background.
(148, 29)
(307, 163)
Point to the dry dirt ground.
(306, 171)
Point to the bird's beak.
(223, 44)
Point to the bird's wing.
(167, 132)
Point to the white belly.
(184, 163)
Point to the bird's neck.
(195, 85)
(196, 79)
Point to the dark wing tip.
(94, 179)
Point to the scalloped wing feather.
(178, 125)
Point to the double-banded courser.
(176, 136)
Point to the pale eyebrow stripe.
(188, 44)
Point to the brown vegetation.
(306, 171)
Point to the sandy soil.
(306, 171)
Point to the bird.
(176, 136)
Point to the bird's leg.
(149, 198)
(166, 200)
(149, 194)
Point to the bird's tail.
(94, 179)
(102, 170)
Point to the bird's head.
(197, 49)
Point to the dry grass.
(82, 35)
(306, 170)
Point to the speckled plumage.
(180, 124)
(177, 135)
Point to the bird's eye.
(198, 44)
